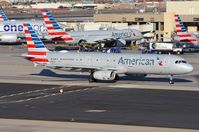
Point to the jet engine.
(104, 75)
(120, 43)
(8, 38)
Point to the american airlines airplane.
(11, 31)
(183, 35)
(109, 38)
(104, 66)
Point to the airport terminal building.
(164, 21)
(157, 17)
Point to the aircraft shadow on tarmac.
(50, 73)
(197, 77)
(193, 51)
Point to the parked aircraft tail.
(3, 16)
(36, 49)
(182, 33)
(54, 30)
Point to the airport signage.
(19, 27)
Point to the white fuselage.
(104, 35)
(10, 31)
(126, 63)
(16, 26)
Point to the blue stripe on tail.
(37, 41)
(52, 20)
(3, 15)
(181, 24)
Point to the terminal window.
(156, 26)
(195, 19)
(162, 26)
(139, 19)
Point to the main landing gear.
(171, 79)
(116, 77)
(91, 78)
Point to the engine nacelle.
(8, 38)
(120, 43)
(104, 75)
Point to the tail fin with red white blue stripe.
(181, 31)
(3, 16)
(53, 28)
(36, 49)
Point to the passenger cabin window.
(180, 61)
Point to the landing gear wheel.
(171, 80)
(91, 78)
(116, 77)
(61, 91)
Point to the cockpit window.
(183, 61)
(180, 61)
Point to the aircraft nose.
(141, 35)
(188, 68)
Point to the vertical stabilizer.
(36, 49)
(53, 28)
(3, 16)
(181, 31)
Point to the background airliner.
(11, 31)
(104, 66)
(183, 35)
(109, 38)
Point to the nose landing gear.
(171, 79)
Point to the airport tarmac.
(95, 104)
(29, 92)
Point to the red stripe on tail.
(28, 38)
(31, 46)
(57, 33)
(36, 53)
(38, 59)
(50, 28)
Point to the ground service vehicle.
(165, 47)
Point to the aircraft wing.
(99, 39)
(109, 41)
(117, 70)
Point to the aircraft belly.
(139, 69)
(148, 70)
